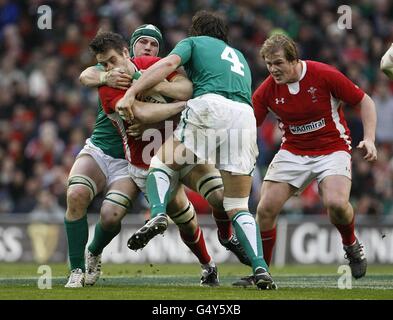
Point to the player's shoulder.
(319, 68)
(143, 62)
(266, 85)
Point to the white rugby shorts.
(113, 169)
(220, 131)
(299, 171)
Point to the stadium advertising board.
(311, 241)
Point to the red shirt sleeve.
(144, 62)
(259, 102)
(342, 88)
(109, 97)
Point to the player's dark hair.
(279, 42)
(105, 41)
(206, 23)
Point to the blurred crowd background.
(46, 114)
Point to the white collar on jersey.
(295, 87)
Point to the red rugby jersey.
(133, 149)
(310, 111)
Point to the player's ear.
(126, 53)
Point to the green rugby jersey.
(106, 137)
(215, 67)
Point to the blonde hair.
(279, 42)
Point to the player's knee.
(110, 216)
(81, 190)
(114, 208)
(336, 203)
(78, 197)
(157, 164)
(267, 209)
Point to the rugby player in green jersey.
(218, 124)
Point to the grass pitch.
(181, 282)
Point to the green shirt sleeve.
(184, 50)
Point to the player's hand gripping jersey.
(133, 148)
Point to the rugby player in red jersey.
(307, 99)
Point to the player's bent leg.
(207, 181)
(335, 192)
(80, 192)
(227, 238)
(183, 215)
(85, 180)
(118, 199)
(273, 197)
(158, 186)
(193, 238)
(163, 175)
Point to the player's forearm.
(387, 62)
(153, 75)
(155, 112)
(92, 77)
(179, 89)
(369, 118)
(161, 124)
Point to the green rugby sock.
(247, 232)
(77, 235)
(102, 238)
(157, 187)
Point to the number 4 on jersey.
(230, 55)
